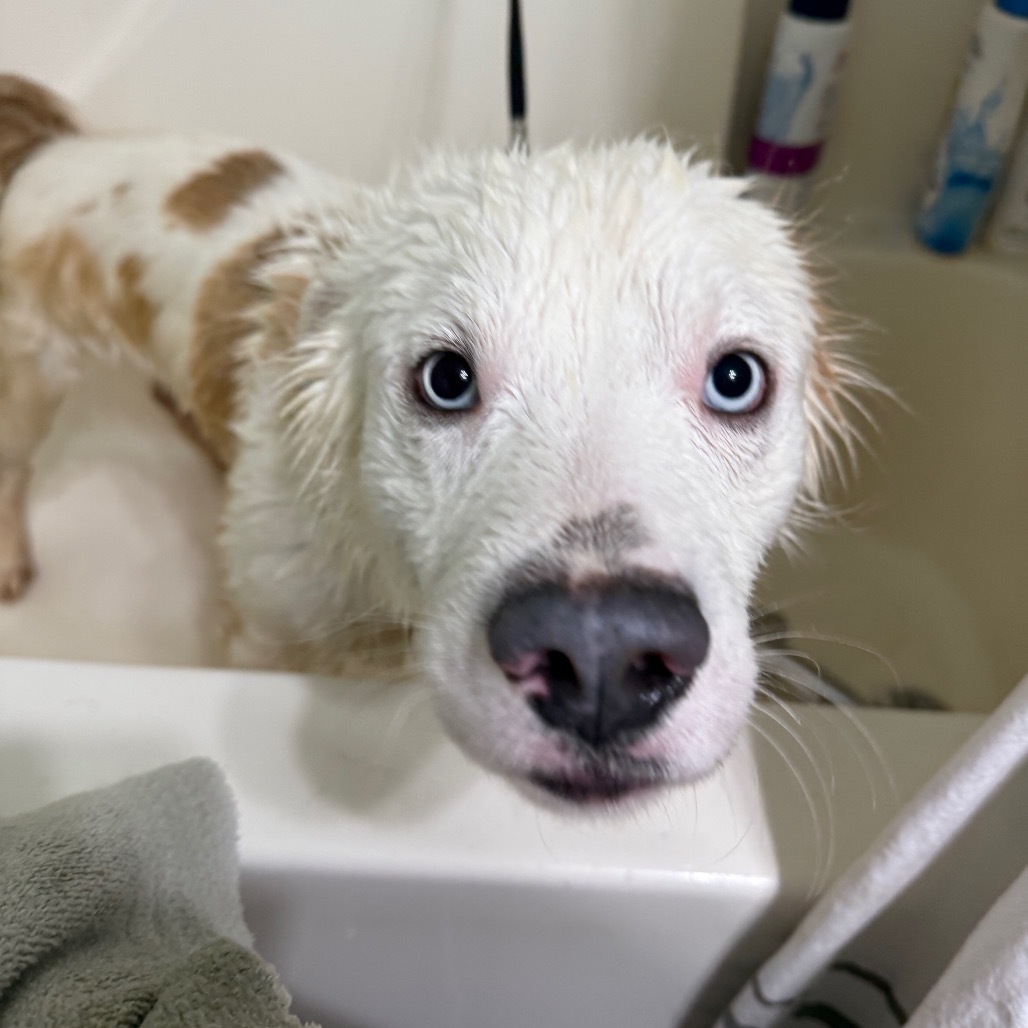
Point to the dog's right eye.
(446, 382)
(736, 384)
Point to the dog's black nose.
(603, 660)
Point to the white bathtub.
(396, 885)
(931, 575)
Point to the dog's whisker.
(834, 640)
(827, 784)
(764, 691)
(860, 735)
(770, 696)
(401, 718)
(805, 686)
(850, 717)
(876, 752)
(808, 797)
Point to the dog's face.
(582, 383)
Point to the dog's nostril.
(554, 667)
(550, 668)
(651, 666)
(655, 678)
(650, 671)
(560, 673)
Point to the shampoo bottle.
(981, 128)
(1008, 231)
(799, 93)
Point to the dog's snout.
(602, 661)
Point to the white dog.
(523, 426)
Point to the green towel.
(120, 909)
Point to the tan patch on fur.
(208, 198)
(67, 281)
(30, 116)
(118, 192)
(234, 304)
(370, 651)
(186, 423)
(282, 317)
(69, 284)
(366, 650)
(131, 310)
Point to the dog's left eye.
(446, 381)
(736, 384)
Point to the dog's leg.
(28, 402)
(16, 567)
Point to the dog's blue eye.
(446, 381)
(737, 384)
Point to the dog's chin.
(594, 786)
(591, 792)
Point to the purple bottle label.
(781, 159)
(799, 94)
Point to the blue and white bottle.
(981, 129)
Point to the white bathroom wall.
(354, 84)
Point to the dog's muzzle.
(601, 661)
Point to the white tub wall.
(911, 578)
(124, 513)
(398, 885)
(905, 59)
(355, 86)
(922, 583)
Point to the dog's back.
(147, 245)
(157, 248)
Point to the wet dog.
(522, 426)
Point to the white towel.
(986, 984)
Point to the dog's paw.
(15, 578)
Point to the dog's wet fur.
(599, 304)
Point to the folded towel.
(120, 908)
(986, 985)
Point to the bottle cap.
(1018, 8)
(836, 10)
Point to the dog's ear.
(836, 406)
(314, 383)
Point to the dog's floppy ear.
(835, 405)
(316, 395)
(242, 312)
(263, 306)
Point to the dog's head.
(572, 399)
